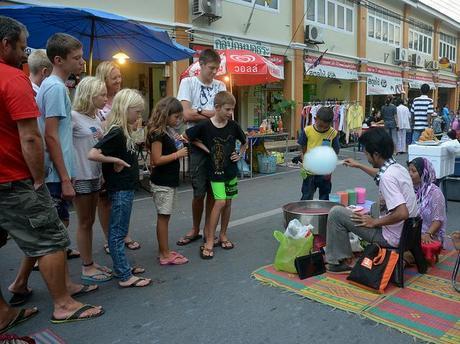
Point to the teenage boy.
(217, 137)
(397, 203)
(26, 209)
(66, 54)
(197, 97)
(422, 110)
(319, 134)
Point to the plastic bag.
(289, 249)
(355, 242)
(297, 230)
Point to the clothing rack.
(331, 102)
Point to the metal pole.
(91, 46)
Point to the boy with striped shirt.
(422, 111)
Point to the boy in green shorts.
(217, 137)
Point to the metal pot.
(293, 211)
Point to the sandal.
(72, 254)
(20, 317)
(76, 316)
(133, 245)
(174, 259)
(85, 289)
(20, 298)
(187, 239)
(135, 284)
(106, 248)
(137, 270)
(206, 253)
(226, 244)
(98, 277)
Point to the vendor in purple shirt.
(398, 202)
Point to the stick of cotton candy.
(320, 160)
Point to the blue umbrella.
(103, 34)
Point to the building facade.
(338, 50)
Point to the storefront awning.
(383, 81)
(330, 68)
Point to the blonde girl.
(121, 173)
(109, 73)
(90, 97)
(164, 178)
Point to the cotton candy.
(320, 160)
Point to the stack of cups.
(343, 197)
(360, 195)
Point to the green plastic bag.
(289, 249)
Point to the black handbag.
(310, 265)
(374, 269)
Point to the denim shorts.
(62, 206)
(31, 219)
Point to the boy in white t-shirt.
(197, 97)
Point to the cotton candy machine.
(309, 212)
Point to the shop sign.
(382, 82)
(225, 42)
(417, 81)
(330, 68)
(447, 83)
(278, 60)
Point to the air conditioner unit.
(313, 34)
(401, 55)
(212, 9)
(417, 60)
(431, 65)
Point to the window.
(383, 26)
(273, 4)
(340, 17)
(330, 13)
(349, 20)
(322, 11)
(371, 27)
(420, 41)
(333, 13)
(311, 10)
(448, 47)
(378, 29)
(385, 31)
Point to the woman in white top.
(109, 73)
(90, 97)
(403, 117)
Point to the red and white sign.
(383, 81)
(243, 67)
(447, 83)
(416, 81)
(331, 68)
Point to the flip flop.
(21, 317)
(133, 245)
(174, 259)
(94, 278)
(106, 248)
(209, 255)
(71, 254)
(187, 239)
(76, 315)
(226, 244)
(86, 289)
(20, 298)
(135, 284)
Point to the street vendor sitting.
(397, 203)
(318, 134)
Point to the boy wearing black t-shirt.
(217, 136)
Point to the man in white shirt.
(403, 126)
(196, 94)
(40, 67)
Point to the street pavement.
(210, 301)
